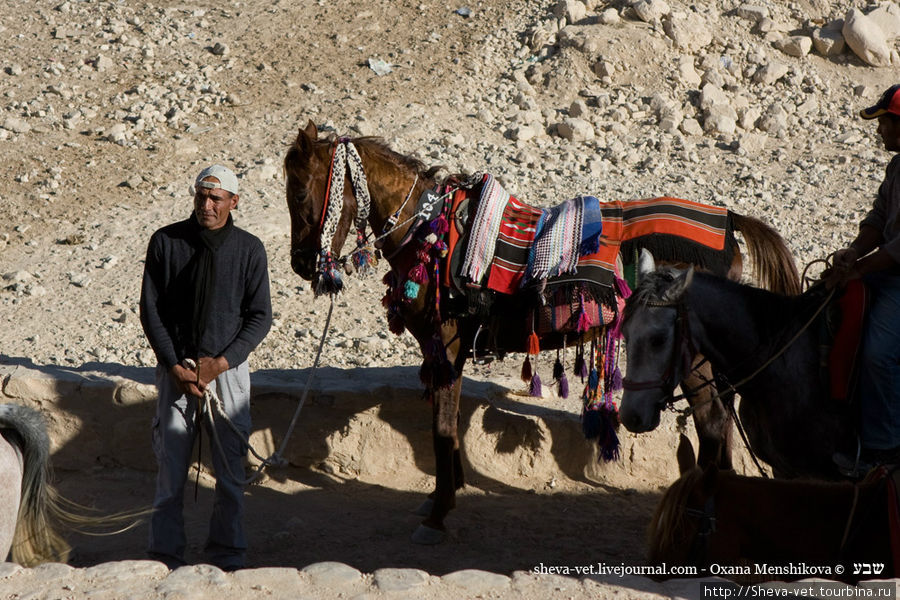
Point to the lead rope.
(211, 404)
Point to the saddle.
(558, 302)
(843, 327)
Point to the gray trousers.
(174, 434)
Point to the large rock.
(887, 16)
(650, 11)
(795, 45)
(828, 40)
(867, 39)
(689, 31)
(770, 72)
(575, 130)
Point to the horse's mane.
(372, 145)
(670, 513)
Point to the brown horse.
(751, 528)
(393, 186)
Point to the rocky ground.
(108, 109)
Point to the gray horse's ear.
(679, 285)
(646, 263)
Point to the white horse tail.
(36, 539)
(43, 511)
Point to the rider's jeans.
(879, 377)
(174, 433)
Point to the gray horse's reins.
(212, 405)
(732, 388)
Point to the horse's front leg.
(449, 475)
(712, 418)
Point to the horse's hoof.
(428, 536)
(424, 509)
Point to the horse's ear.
(311, 131)
(685, 454)
(646, 263)
(679, 285)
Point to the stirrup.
(486, 358)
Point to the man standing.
(205, 297)
(875, 256)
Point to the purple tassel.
(616, 384)
(439, 226)
(563, 387)
(534, 387)
(580, 366)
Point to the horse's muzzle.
(638, 417)
(304, 262)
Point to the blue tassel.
(593, 380)
(590, 245)
(411, 290)
(591, 424)
(329, 283)
(608, 439)
(364, 261)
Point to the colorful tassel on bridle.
(363, 257)
(330, 281)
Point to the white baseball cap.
(227, 179)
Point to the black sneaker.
(855, 467)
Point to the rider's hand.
(209, 368)
(185, 380)
(844, 259)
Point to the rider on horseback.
(875, 256)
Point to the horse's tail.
(36, 539)
(772, 260)
(42, 510)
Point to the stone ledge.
(363, 422)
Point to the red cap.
(888, 103)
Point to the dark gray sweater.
(241, 311)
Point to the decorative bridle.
(344, 158)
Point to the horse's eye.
(658, 340)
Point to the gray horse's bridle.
(683, 351)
